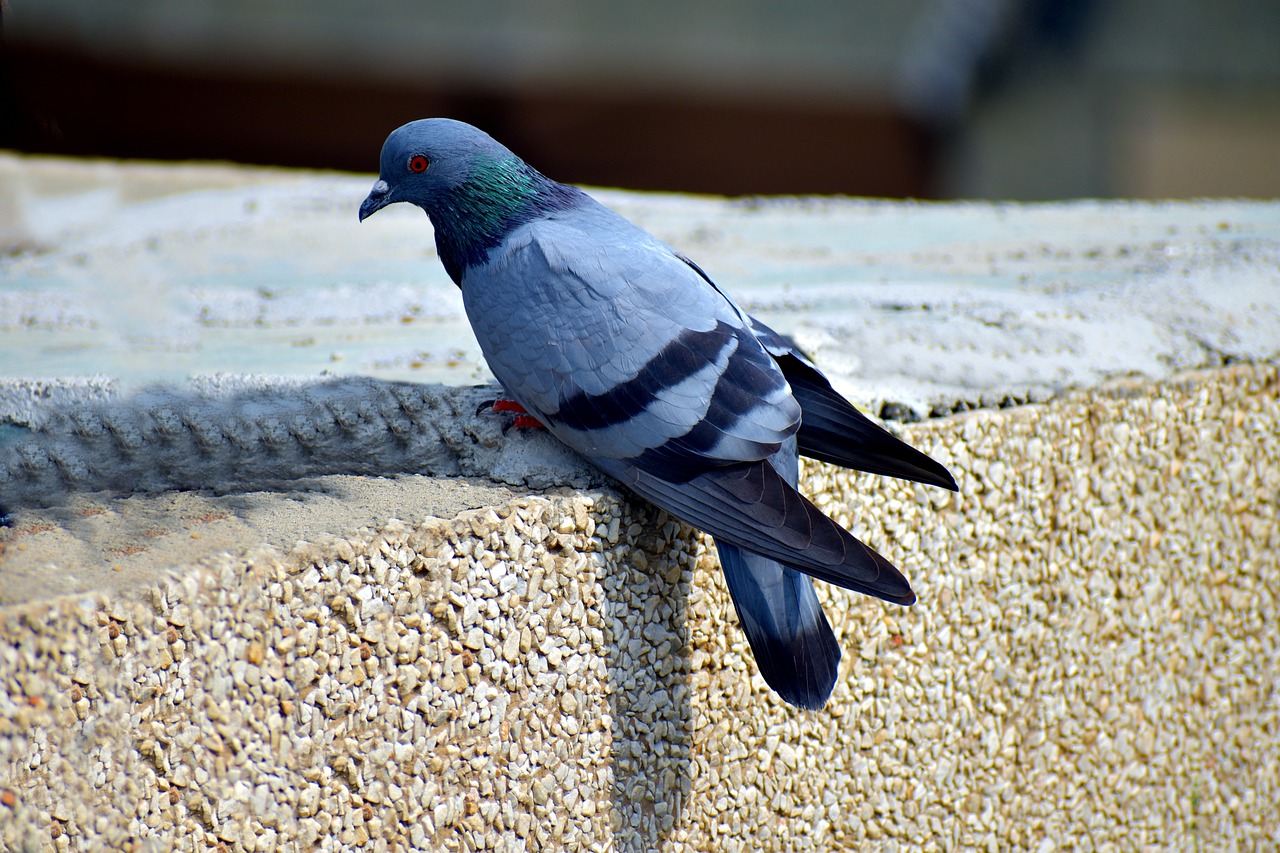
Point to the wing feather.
(750, 506)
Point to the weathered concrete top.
(146, 273)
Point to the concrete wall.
(1091, 663)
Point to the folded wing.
(750, 506)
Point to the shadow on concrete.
(649, 666)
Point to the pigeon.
(632, 356)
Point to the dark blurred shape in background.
(1023, 99)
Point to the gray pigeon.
(631, 355)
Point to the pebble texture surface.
(1092, 665)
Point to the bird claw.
(522, 419)
(527, 421)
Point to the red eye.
(419, 163)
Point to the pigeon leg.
(523, 419)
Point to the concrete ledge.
(1093, 659)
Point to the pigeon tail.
(790, 637)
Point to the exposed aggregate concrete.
(1091, 665)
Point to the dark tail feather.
(834, 431)
(790, 637)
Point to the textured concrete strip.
(1093, 656)
(236, 433)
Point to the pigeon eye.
(418, 163)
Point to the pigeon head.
(473, 188)
(428, 162)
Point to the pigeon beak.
(379, 197)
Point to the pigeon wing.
(624, 352)
(632, 358)
(751, 506)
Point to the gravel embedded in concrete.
(1093, 657)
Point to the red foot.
(523, 419)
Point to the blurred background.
(1008, 99)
